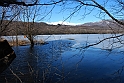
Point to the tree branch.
(102, 8)
(86, 4)
(7, 3)
(48, 3)
(106, 11)
(102, 41)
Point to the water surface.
(63, 60)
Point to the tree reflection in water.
(60, 62)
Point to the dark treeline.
(23, 28)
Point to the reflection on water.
(60, 61)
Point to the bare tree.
(29, 16)
(6, 18)
(112, 14)
(115, 11)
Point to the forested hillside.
(35, 28)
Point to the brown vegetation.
(24, 42)
(19, 28)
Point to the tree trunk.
(30, 37)
(32, 42)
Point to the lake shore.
(24, 43)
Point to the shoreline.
(24, 43)
(20, 40)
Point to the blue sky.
(60, 13)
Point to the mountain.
(103, 24)
(38, 28)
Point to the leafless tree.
(6, 18)
(29, 16)
(81, 4)
(113, 9)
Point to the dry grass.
(24, 42)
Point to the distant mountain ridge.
(103, 23)
(38, 28)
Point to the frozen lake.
(63, 60)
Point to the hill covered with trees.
(39, 28)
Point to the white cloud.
(63, 23)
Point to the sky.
(60, 14)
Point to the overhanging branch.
(101, 41)
(97, 5)
(108, 13)
(6, 3)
